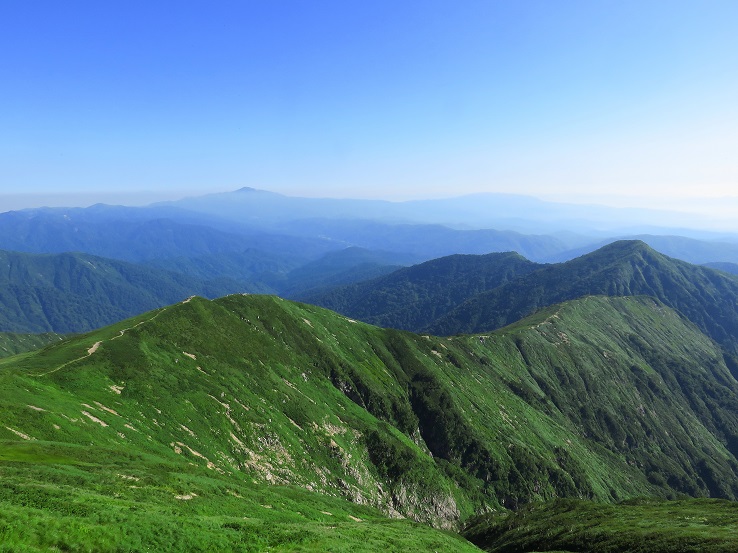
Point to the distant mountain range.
(262, 242)
(299, 230)
(481, 211)
(140, 234)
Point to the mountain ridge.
(415, 414)
(706, 297)
(413, 297)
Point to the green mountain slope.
(107, 501)
(602, 398)
(638, 526)
(253, 268)
(414, 297)
(12, 343)
(75, 292)
(706, 297)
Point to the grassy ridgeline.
(202, 413)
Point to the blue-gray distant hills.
(257, 241)
(701, 252)
(140, 234)
(724, 266)
(524, 214)
(300, 230)
(136, 234)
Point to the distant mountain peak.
(622, 248)
(627, 245)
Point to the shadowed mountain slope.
(413, 297)
(75, 292)
(341, 267)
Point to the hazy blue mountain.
(263, 208)
(502, 211)
(427, 241)
(726, 267)
(700, 252)
(136, 234)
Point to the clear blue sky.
(370, 98)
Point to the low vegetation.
(12, 343)
(244, 420)
(635, 526)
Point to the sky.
(620, 102)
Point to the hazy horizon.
(632, 102)
(711, 215)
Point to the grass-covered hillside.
(471, 294)
(635, 526)
(231, 413)
(12, 343)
